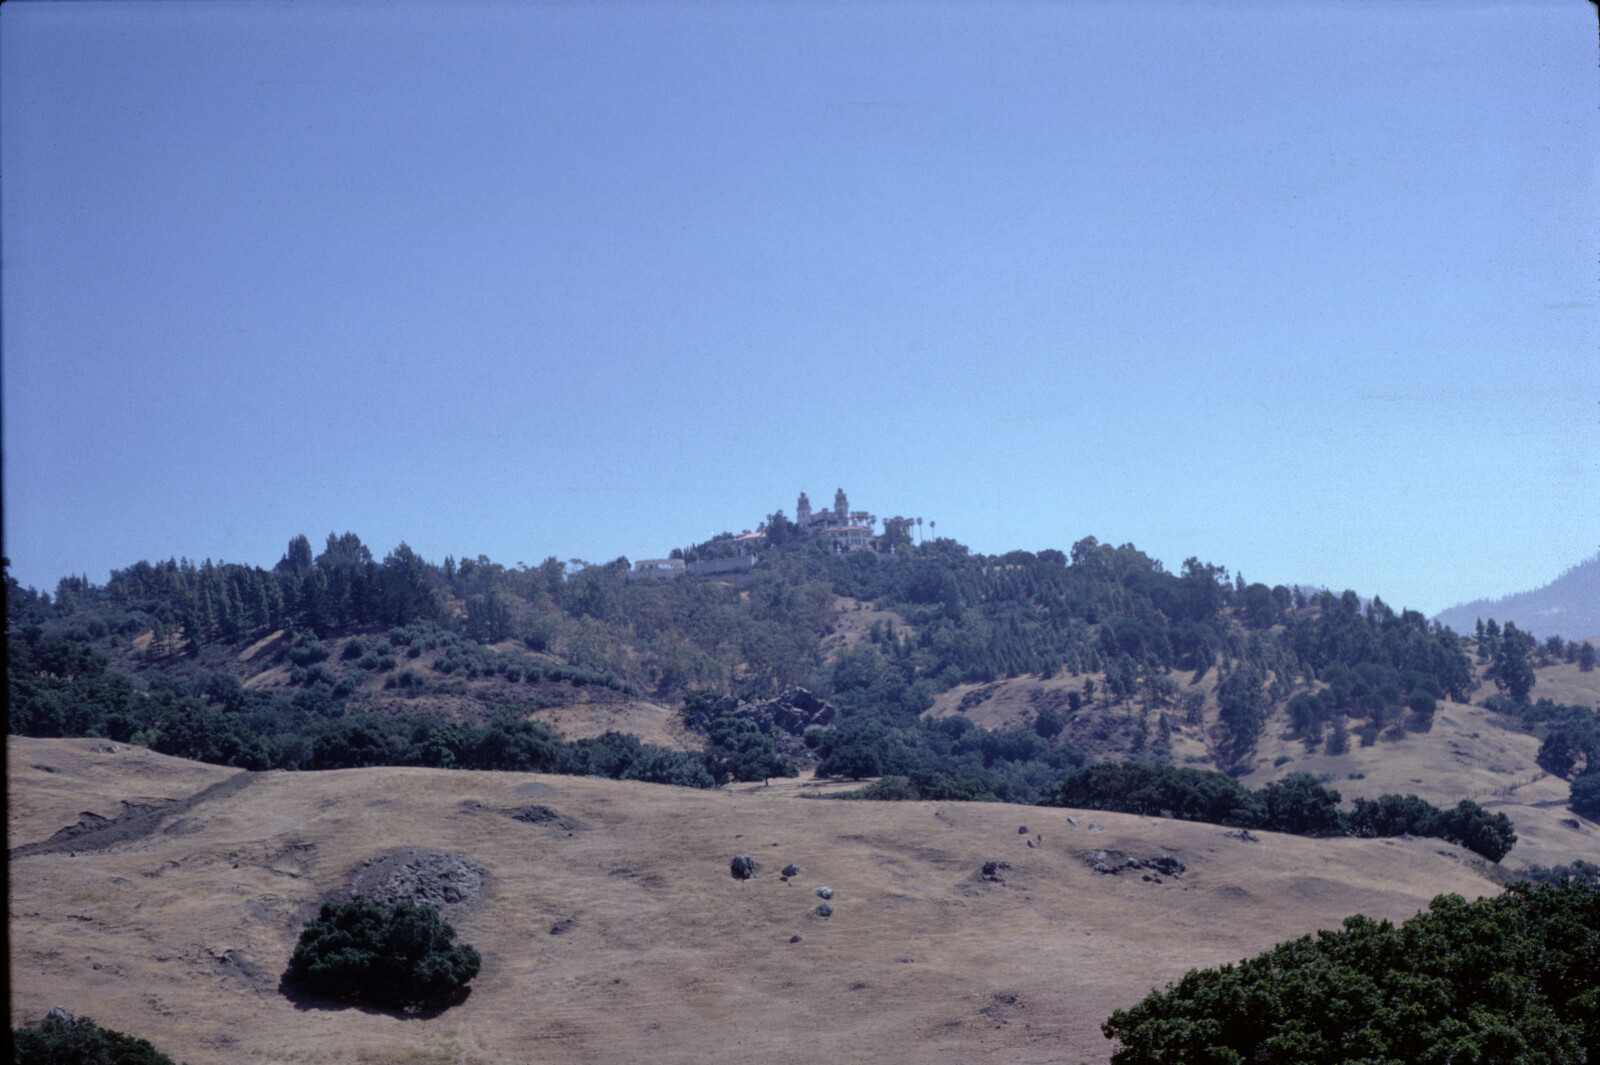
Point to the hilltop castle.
(845, 529)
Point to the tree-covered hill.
(335, 657)
(1568, 606)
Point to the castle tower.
(841, 507)
(802, 511)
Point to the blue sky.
(1305, 290)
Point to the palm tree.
(919, 532)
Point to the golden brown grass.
(853, 621)
(1469, 753)
(669, 959)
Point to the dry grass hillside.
(611, 929)
(572, 712)
(1470, 753)
(852, 622)
(1103, 731)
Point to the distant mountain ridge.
(1568, 606)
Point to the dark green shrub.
(1157, 791)
(408, 679)
(1392, 815)
(1559, 752)
(1422, 706)
(309, 653)
(1049, 723)
(399, 956)
(1299, 804)
(58, 1041)
(1586, 872)
(1477, 830)
(1514, 978)
(737, 748)
(1586, 795)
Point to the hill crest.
(1568, 606)
(180, 934)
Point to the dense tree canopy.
(1514, 979)
(1298, 803)
(401, 955)
(151, 657)
(61, 1040)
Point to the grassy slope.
(1469, 753)
(670, 959)
(573, 712)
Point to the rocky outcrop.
(1112, 863)
(786, 719)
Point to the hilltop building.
(845, 530)
(668, 569)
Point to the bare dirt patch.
(533, 814)
(269, 644)
(853, 621)
(137, 820)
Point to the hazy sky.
(1305, 290)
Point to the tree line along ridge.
(369, 645)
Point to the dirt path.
(95, 833)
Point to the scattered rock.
(1244, 834)
(825, 910)
(1072, 821)
(1165, 864)
(1003, 1006)
(60, 1013)
(563, 926)
(1110, 863)
(1022, 830)
(824, 892)
(743, 867)
(794, 938)
(433, 877)
(1096, 828)
(535, 814)
(1031, 843)
(991, 871)
(791, 870)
